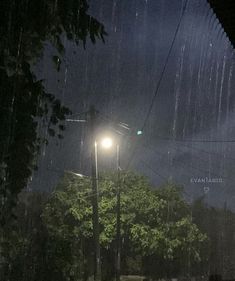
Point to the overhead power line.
(160, 79)
(166, 180)
(155, 172)
(204, 151)
(195, 140)
(165, 66)
(186, 165)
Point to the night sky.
(189, 131)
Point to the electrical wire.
(160, 79)
(180, 148)
(194, 140)
(155, 172)
(176, 160)
(204, 151)
(166, 180)
(184, 164)
(165, 66)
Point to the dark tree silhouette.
(25, 26)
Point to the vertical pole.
(95, 197)
(118, 234)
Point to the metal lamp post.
(107, 144)
(95, 200)
(118, 237)
(91, 119)
(95, 197)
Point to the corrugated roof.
(225, 12)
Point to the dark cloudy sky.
(195, 100)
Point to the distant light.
(107, 143)
(139, 133)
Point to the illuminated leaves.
(145, 224)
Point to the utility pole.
(92, 122)
(95, 195)
(118, 213)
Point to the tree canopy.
(154, 224)
(162, 235)
(25, 27)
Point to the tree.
(219, 225)
(25, 26)
(27, 252)
(23, 244)
(148, 230)
(161, 233)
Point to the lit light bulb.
(107, 143)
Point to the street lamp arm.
(76, 120)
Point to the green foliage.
(25, 27)
(149, 227)
(22, 241)
(29, 253)
(219, 225)
(162, 236)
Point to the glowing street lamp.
(107, 143)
